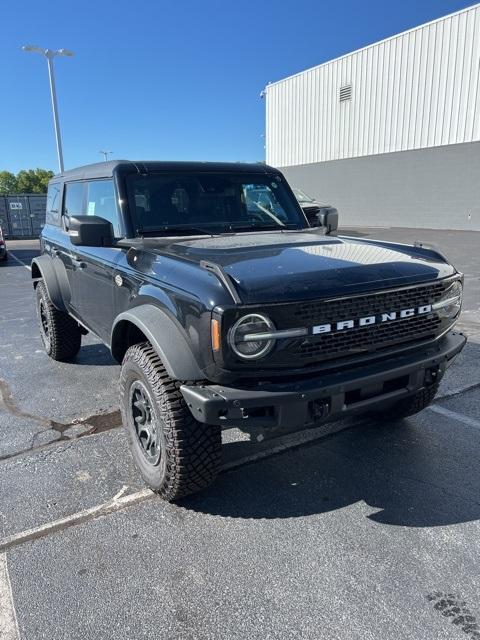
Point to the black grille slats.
(371, 338)
(321, 312)
(359, 340)
(341, 346)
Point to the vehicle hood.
(289, 266)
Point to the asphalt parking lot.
(363, 529)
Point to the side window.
(101, 202)
(53, 203)
(73, 203)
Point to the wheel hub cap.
(44, 321)
(144, 421)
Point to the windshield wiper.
(231, 228)
(261, 227)
(171, 229)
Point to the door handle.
(79, 263)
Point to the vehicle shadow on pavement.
(354, 233)
(403, 474)
(96, 354)
(9, 263)
(24, 255)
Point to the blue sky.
(170, 79)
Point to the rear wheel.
(411, 405)
(61, 334)
(176, 454)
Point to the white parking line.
(458, 390)
(8, 617)
(471, 422)
(117, 503)
(12, 255)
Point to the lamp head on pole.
(48, 53)
(32, 47)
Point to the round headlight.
(451, 302)
(244, 336)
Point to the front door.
(93, 267)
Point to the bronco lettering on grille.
(368, 320)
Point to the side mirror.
(326, 217)
(90, 231)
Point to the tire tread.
(193, 449)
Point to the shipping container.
(22, 215)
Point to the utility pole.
(105, 154)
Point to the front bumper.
(300, 404)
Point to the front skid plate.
(301, 404)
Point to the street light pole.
(56, 123)
(50, 55)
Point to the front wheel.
(176, 454)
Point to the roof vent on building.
(345, 92)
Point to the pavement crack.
(98, 422)
(11, 407)
(67, 431)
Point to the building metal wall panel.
(436, 187)
(418, 89)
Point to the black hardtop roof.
(107, 169)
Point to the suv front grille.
(370, 338)
(311, 211)
(321, 312)
(315, 349)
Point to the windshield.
(211, 203)
(301, 196)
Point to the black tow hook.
(319, 409)
(431, 375)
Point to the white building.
(389, 134)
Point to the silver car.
(316, 212)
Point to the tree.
(8, 182)
(33, 180)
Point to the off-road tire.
(190, 451)
(411, 405)
(63, 337)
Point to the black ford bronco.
(225, 307)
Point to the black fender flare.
(164, 334)
(55, 280)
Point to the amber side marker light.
(215, 335)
